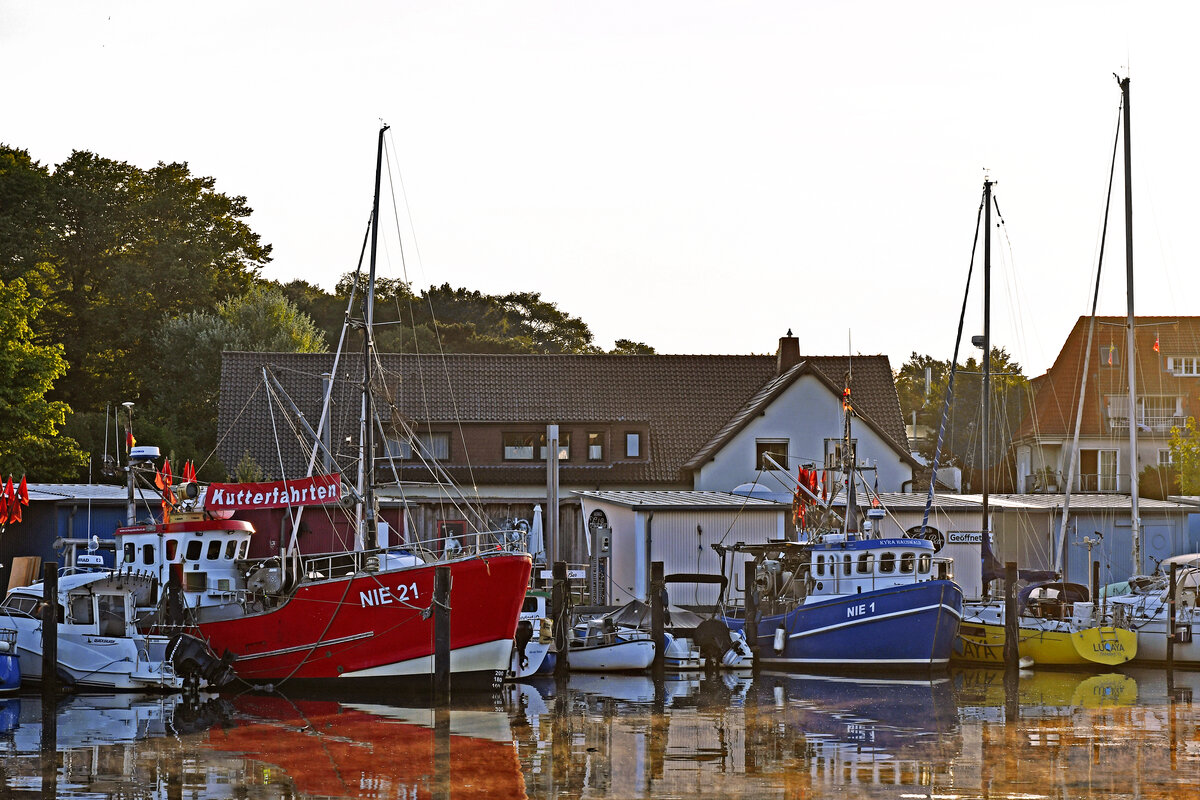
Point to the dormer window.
(425, 445)
(771, 454)
(595, 445)
(633, 445)
(564, 446)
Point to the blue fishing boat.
(841, 597)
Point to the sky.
(698, 176)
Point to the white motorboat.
(99, 646)
(600, 645)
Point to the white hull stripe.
(483, 657)
(863, 620)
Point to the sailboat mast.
(369, 522)
(987, 342)
(1131, 365)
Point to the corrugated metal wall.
(682, 541)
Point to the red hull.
(371, 626)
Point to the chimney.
(789, 353)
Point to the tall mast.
(987, 341)
(1135, 523)
(367, 432)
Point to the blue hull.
(10, 674)
(902, 628)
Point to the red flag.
(24, 492)
(167, 477)
(189, 471)
(129, 440)
(3, 510)
(14, 503)
(1156, 342)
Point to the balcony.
(1103, 483)
(1153, 423)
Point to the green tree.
(628, 347)
(27, 215)
(1185, 452)
(32, 443)
(185, 386)
(446, 319)
(132, 248)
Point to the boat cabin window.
(16, 604)
(112, 614)
(172, 549)
(887, 563)
(81, 610)
(147, 554)
(230, 549)
(530, 604)
(866, 563)
(245, 549)
(924, 563)
(214, 550)
(130, 553)
(820, 568)
(846, 564)
(193, 550)
(907, 562)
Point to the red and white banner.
(314, 491)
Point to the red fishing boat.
(363, 612)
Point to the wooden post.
(751, 626)
(49, 633)
(49, 755)
(560, 613)
(1012, 623)
(441, 634)
(658, 614)
(1171, 617)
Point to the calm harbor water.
(1059, 735)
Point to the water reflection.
(1129, 734)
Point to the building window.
(1165, 459)
(519, 446)
(833, 453)
(564, 446)
(428, 445)
(777, 449)
(1184, 365)
(1110, 356)
(633, 445)
(595, 446)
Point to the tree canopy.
(121, 283)
(1185, 453)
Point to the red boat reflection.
(331, 749)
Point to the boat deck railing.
(433, 551)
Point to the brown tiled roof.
(1056, 393)
(683, 401)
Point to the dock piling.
(441, 634)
